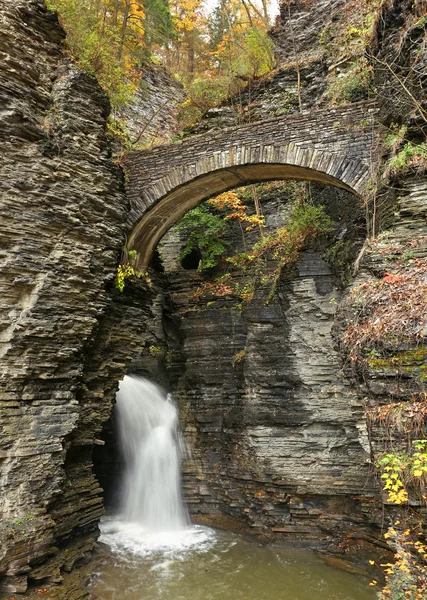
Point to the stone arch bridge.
(336, 146)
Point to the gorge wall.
(279, 438)
(63, 208)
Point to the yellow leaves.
(186, 14)
(125, 271)
(104, 39)
(406, 578)
(403, 471)
(136, 19)
(231, 201)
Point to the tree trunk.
(123, 28)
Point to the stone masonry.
(334, 146)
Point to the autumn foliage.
(262, 265)
(212, 55)
(105, 38)
(406, 578)
(389, 313)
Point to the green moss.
(410, 362)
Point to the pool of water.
(205, 564)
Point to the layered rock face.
(277, 432)
(276, 426)
(271, 96)
(151, 118)
(278, 438)
(304, 65)
(300, 25)
(64, 342)
(62, 212)
(265, 403)
(394, 375)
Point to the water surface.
(205, 564)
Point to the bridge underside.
(173, 206)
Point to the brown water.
(204, 564)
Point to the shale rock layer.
(62, 211)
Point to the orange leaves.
(218, 289)
(232, 202)
(392, 278)
(400, 415)
(186, 14)
(227, 201)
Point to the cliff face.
(67, 336)
(399, 58)
(62, 213)
(151, 118)
(319, 47)
(300, 24)
(277, 428)
(273, 413)
(278, 437)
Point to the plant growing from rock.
(263, 265)
(386, 328)
(406, 578)
(125, 270)
(206, 233)
(232, 203)
(412, 157)
(403, 472)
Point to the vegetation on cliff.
(213, 56)
(264, 255)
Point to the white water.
(151, 446)
(152, 514)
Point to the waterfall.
(151, 446)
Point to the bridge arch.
(332, 147)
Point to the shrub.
(353, 86)
(411, 157)
(262, 266)
(206, 234)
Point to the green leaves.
(412, 156)
(95, 36)
(206, 232)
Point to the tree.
(233, 203)
(159, 28)
(233, 46)
(189, 23)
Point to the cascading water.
(151, 445)
(152, 514)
